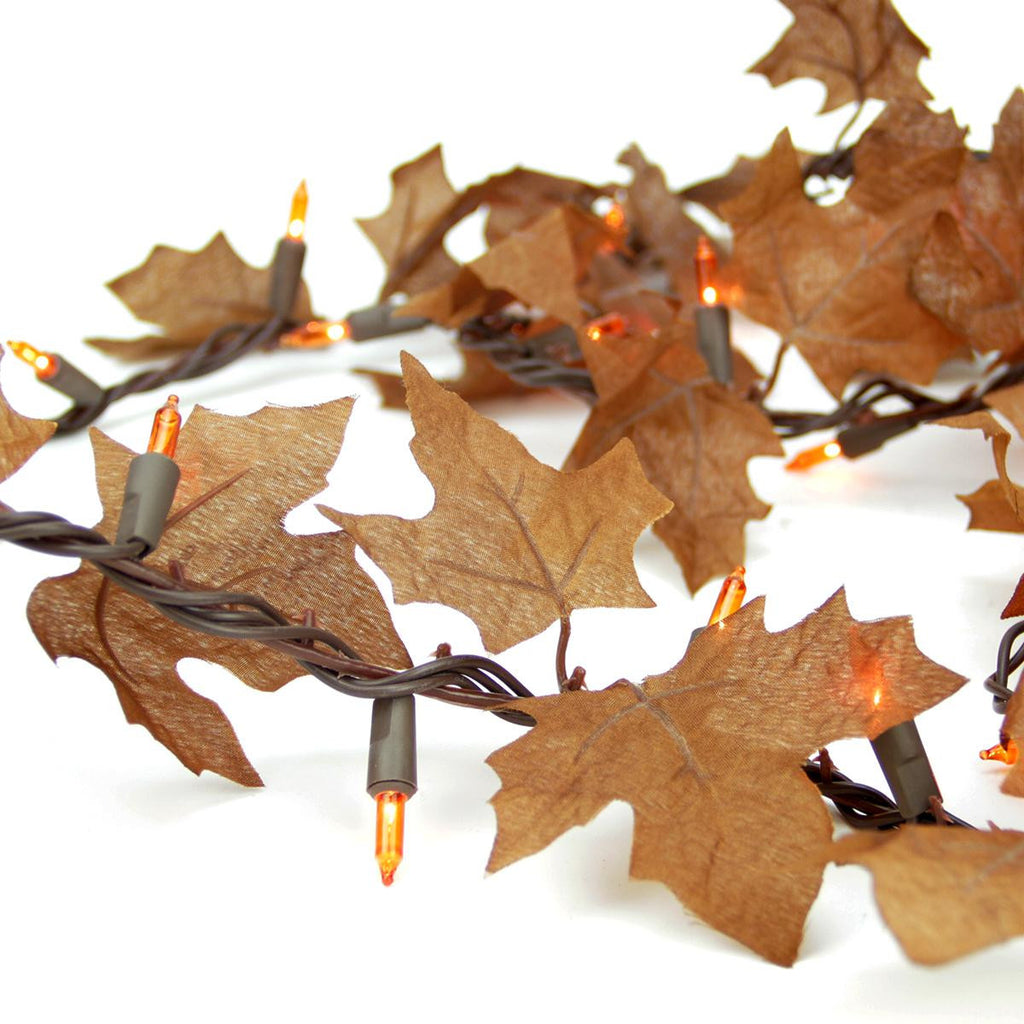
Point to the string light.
(46, 364)
(812, 457)
(730, 597)
(615, 217)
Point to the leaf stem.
(560, 652)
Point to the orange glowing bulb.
(611, 325)
(45, 363)
(297, 217)
(815, 456)
(730, 597)
(166, 425)
(317, 334)
(876, 697)
(705, 263)
(1007, 754)
(390, 833)
(615, 218)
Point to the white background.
(131, 890)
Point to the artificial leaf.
(997, 504)
(539, 265)
(479, 379)
(421, 194)
(658, 222)
(512, 543)
(1013, 726)
(971, 270)
(944, 892)
(20, 438)
(833, 280)
(708, 754)
(909, 155)
(190, 295)
(860, 49)
(239, 478)
(693, 437)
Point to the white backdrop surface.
(132, 890)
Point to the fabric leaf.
(860, 49)
(944, 892)
(708, 755)
(693, 436)
(20, 437)
(239, 478)
(512, 543)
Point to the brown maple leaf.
(709, 753)
(997, 504)
(512, 543)
(614, 285)
(540, 265)
(833, 280)
(190, 295)
(239, 477)
(859, 49)
(411, 234)
(421, 195)
(693, 437)
(20, 437)
(971, 270)
(944, 892)
(479, 379)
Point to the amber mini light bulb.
(611, 325)
(317, 334)
(730, 597)
(705, 264)
(1007, 754)
(390, 833)
(45, 364)
(297, 217)
(163, 438)
(814, 456)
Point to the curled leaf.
(20, 437)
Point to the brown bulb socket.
(391, 765)
(286, 275)
(714, 341)
(380, 322)
(70, 381)
(148, 495)
(905, 765)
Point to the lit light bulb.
(390, 833)
(705, 263)
(611, 325)
(297, 217)
(1007, 754)
(45, 364)
(166, 426)
(615, 218)
(876, 697)
(815, 456)
(730, 597)
(317, 334)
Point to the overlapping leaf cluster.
(911, 267)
